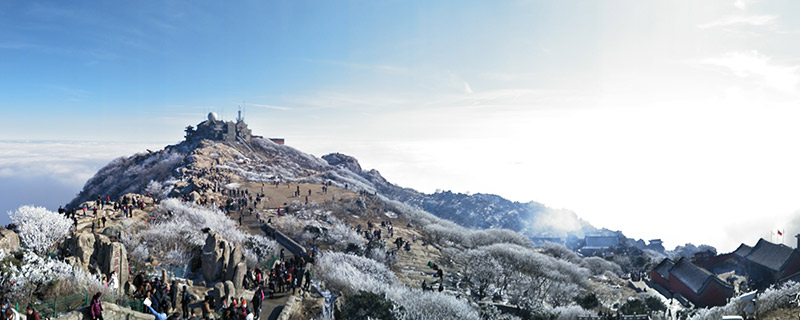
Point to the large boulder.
(212, 257)
(220, 258)
(230, 289)
(218, 293)
(96, 253)
(83, 248)
(234, 259)
(238, 275)
(116, 260)
(9, 240)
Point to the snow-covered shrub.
(531, 280)
(259, 248)
(560, 251)
(779, 296)
(179, 230)
(599, 266)
(478, 238)
(30, 275)
(349, 274)
(571, 312)
(427, 305)
(158, 190)
(40, 228)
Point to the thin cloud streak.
(267, 106)
(754, 20)
(761, 68)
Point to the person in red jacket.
(96, 307)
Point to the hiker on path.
(96, 307)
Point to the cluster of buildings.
(696, 280)
(218, 130)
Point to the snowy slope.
(263, 160)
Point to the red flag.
(780, 233)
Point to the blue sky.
(624, 111)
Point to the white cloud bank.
(51, 173)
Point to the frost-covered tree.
(178, 231)
(482, 271)
(26, 274)
(689, 250)
(779, 296)
(349, 274)
(40, 228)
(571, 312)
(599, 266)
(157, 190)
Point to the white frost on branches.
(40, 228)
(179, 230)
(35, 271)
(159, 190)
(349, 274)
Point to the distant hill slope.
(263, 160)
(481, 211)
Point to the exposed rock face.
(9, 240)
(83, 248)
(220, 258)
(86, 249)
(116, 260)
(212, 257)
(218, 293)
(230, 290)
(233, 261)
(344, 161)
(238, 275)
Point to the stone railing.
(285, 241)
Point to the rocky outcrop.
(110, 312)
(87, 250)
(238, 275)
(230, 289)
(116, 260)
(218, 293)
(83, 248)
(9, 240)
(220, 259)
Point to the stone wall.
(110, 312)
(285, 241)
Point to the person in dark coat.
(173, 293)
(258, 296)
(32, 314)
(186, 299)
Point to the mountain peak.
(217, 146)
(343, 161)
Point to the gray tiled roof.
(602, 241)
(743, 250)
(691, 275)
(770, 255)
(663, 268)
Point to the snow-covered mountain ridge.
(262, 160)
